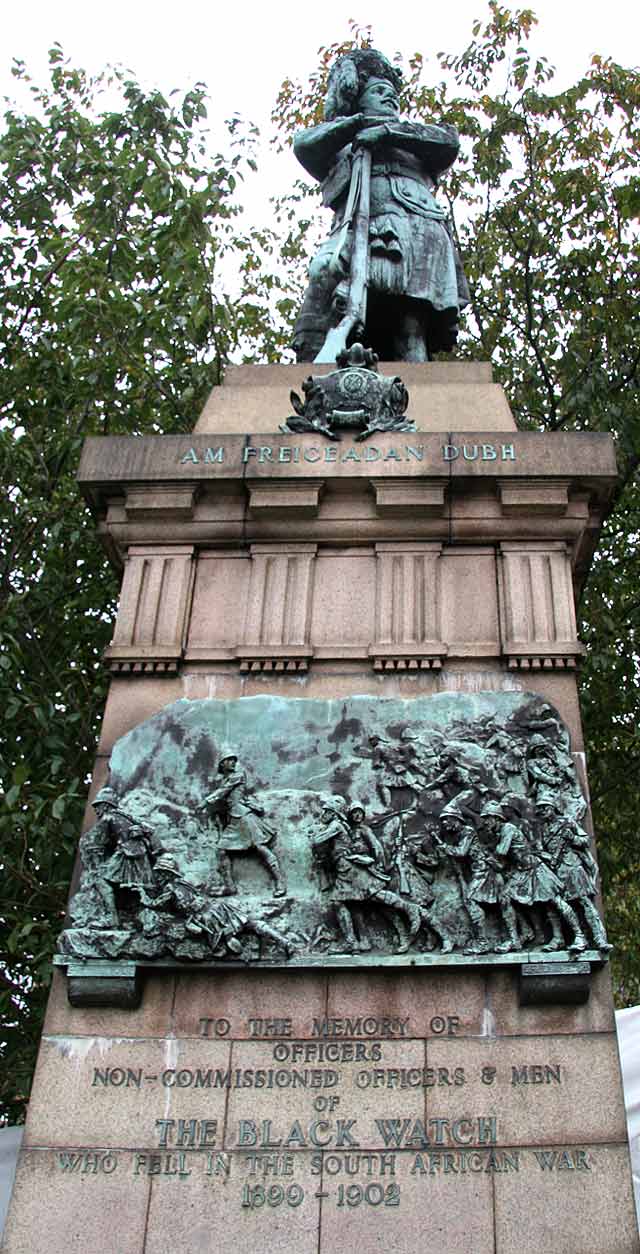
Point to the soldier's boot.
(363, 944)
(596, 926)
(446, 939)
(415, 917)
(228, 883)
(263, 929)
(401, 934)
(579, 941)
(346, 927)
(513, 942)
(108, 900)
(478, 943)
(444, 936)
(527, 934)
(538, 927)
(412, 912)
(557, 938)
(269, 857)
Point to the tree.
(119, 225)
(117, 318)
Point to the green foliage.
(610, 706)
(121, 234)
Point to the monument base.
(315, 1111)
(424, 1100)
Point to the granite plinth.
(320, 1110)
(297, 1110)
(442, 395)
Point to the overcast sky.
(243, 51)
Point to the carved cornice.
(418, 661)
(402, 497)
(273, 499)
(290, 665)
(141, 666)
(545, 661)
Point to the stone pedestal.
(456, 1102)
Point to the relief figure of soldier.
(240, 825)
(117, 859)
(355, 861)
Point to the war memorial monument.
(334, 974)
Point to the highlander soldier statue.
(389, 273)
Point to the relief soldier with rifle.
(355, 862)
(239, 825)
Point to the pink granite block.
(254, 1004)
(77, 1209)
(568, 1208)
(539, 1090)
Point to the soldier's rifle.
(398, 858)
(398, 849)
(356, 308)
(391, 814)
(457, 870)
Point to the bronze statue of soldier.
(485, 886)
(389, 273)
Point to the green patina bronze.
(389, 274)
(354, 397)
(270, 830)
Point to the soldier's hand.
(349, 124)
(370, 136)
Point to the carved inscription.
(355, 1178)
(317, 1077)
(390, 1027)
(456, 1162)
(302, 1065)
(298, 455)
(326, 1149)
